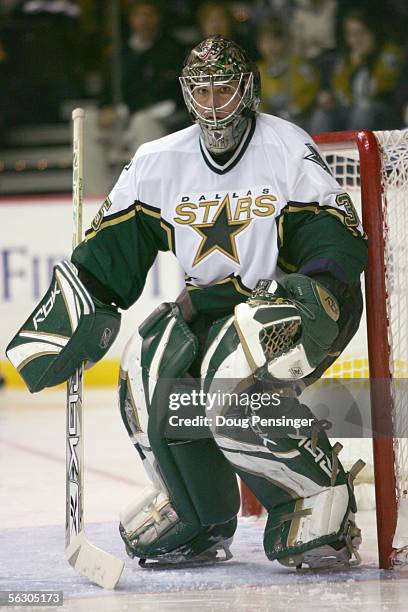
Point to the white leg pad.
(327, 512)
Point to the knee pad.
(163, 348)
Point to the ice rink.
(32, 516)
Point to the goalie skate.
(146, 522)
(341, 554)
(324, 533)
(218, 553)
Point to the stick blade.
(100, 567)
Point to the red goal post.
(375, 164)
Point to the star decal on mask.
(219, 235)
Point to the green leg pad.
(209, 479)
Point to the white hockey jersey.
(224, 222)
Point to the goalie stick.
(88, 560)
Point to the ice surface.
(32, 492)
(34, 559)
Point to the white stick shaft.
(78, 174)
(88, 560)
(74, 432)
(74, 514)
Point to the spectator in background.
(151, 62)
(289, 82)
(313, 27)
(365, 76)
(271, 9)
(214, 18)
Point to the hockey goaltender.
(272, 249)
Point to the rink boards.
(36, 233)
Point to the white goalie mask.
(221, 91)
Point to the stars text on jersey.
(219, 218)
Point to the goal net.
(373, 168)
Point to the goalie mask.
(221, 89)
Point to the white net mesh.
(343, 159)
(394, 149)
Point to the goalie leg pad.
(318, 531)
(301, 462)
(297, 476)
(68, 327)
(179, 516)
(152, 529)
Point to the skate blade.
(177, 562)
(326, 559)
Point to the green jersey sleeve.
(317, 241)
(122, 242)
(319, 229)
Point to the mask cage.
(207, 115)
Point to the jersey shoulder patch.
(315, 157)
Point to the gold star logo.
(220, 234)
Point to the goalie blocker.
(287, 330)
(68, 327)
